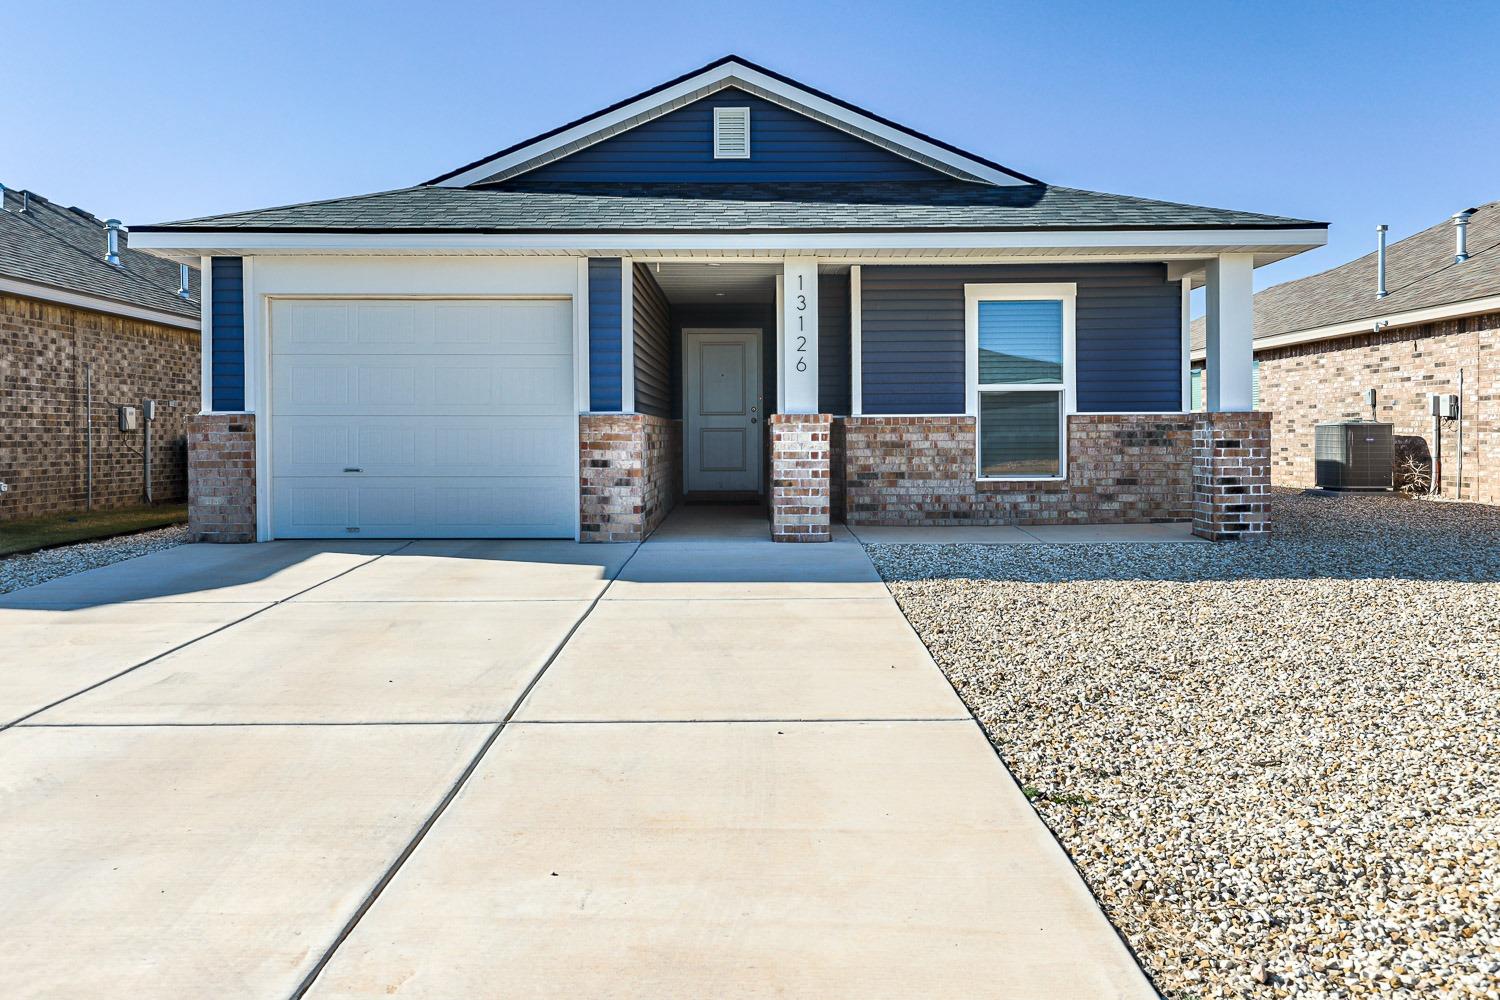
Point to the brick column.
(1231, 476)
(800, 458)
(221, 477)
(630, 474)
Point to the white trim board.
(729, 74)
(94, 303)
(1192, 242)
(1353, 327)
(856, 342)
(206, 335)
(627, 335)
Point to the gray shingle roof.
(522, 207)
(64, 248)
(1420, 272)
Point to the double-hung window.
(1020, 366)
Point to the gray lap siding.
(1129, 335)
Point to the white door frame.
(760, 396)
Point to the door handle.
(752, 420)
(354, 470)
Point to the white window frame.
(1067, 294)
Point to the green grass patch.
(77, 526)
(1061, 798)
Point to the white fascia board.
(47, 293)
(1349, 328)
(1226, 240)
(726, 75)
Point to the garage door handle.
(354, 470)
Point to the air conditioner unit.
(1355, 455)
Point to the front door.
(722, 411)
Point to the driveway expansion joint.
(196, 639)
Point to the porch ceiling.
(721, 283)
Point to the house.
(1422, 317)
(88, 324)
(731, 285)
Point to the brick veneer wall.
(1123, 469)
(1231, 475)
(630, 474)
(800, 446)
(1308, 384)
(838, 493)
(221, 477)
(43, 441)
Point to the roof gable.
(785, 145)
(746, 78)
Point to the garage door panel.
(423, 418)
(435, 507)
(419, 327)
(434, 446)
(479, 384)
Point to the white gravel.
(38, 567)
(1277, 765)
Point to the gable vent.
(731, 133)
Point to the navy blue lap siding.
(604, 334)
(784, 146)
(833, 344)
(1129, 338)
(227, 316)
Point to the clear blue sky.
(1350, 113)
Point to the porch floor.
(709, 522)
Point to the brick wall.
(1309, 384)
(921, 470)
(221, 477)
(43, 442)
(800, 446)
(630, 474)
(837, 486)
(1231, 475)
(663, 485)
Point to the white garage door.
(422, 418)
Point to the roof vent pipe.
(182, 281)
(112, 241)
(1380, 232)
(1461, 234)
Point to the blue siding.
(228, 328)
(1129, 341)
(784, 146)
(833, 344)
(604, 334)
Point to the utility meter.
(129, 418)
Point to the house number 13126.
(801, 325)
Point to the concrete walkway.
(697, 767)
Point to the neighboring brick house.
(72, 320)
(730, 286)
(1322, 341)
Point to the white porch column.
(797, 354)
(1230, 327)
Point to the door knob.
(752, 420)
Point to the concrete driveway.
(697, 767)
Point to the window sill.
(1021, 479)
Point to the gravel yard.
(39, 567)
(1277, 764)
